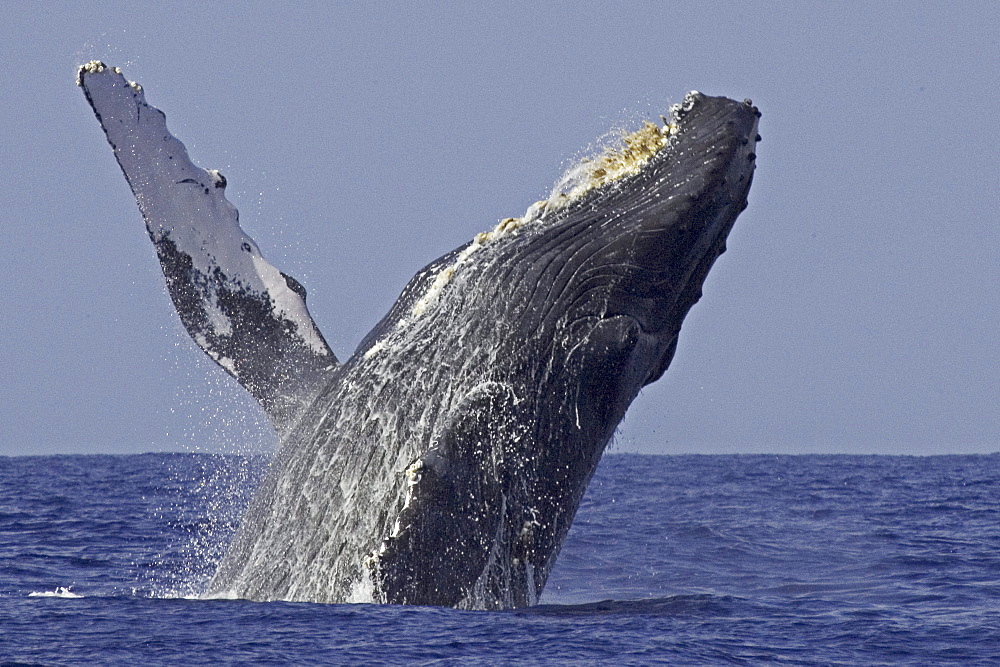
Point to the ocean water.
(713, 560)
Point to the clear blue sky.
(856, 310)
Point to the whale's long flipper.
(248, 316)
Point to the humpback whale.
(443, 462)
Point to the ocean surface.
(800, 560)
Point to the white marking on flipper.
(243, 312)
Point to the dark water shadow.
(675, 605)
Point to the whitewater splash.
(59, 592)
(443, 462)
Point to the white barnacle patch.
(632, 153)
(412, 479)
(442, 278)
(504, 227)
(93, 67)
(375, 349)
(412, 475)
(370, 562)
(627, 157)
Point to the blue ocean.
(708, 560)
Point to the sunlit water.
(679, 560)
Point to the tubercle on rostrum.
(628, 156)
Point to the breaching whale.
(443, 462)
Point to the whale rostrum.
(443, 462)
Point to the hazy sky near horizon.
(856, 310)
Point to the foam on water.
(59, 592)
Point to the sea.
(676, 560)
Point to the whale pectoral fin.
(454, 507)
(248, 316)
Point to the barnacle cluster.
(626, 157)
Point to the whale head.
(545, 329)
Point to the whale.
(443, 462)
